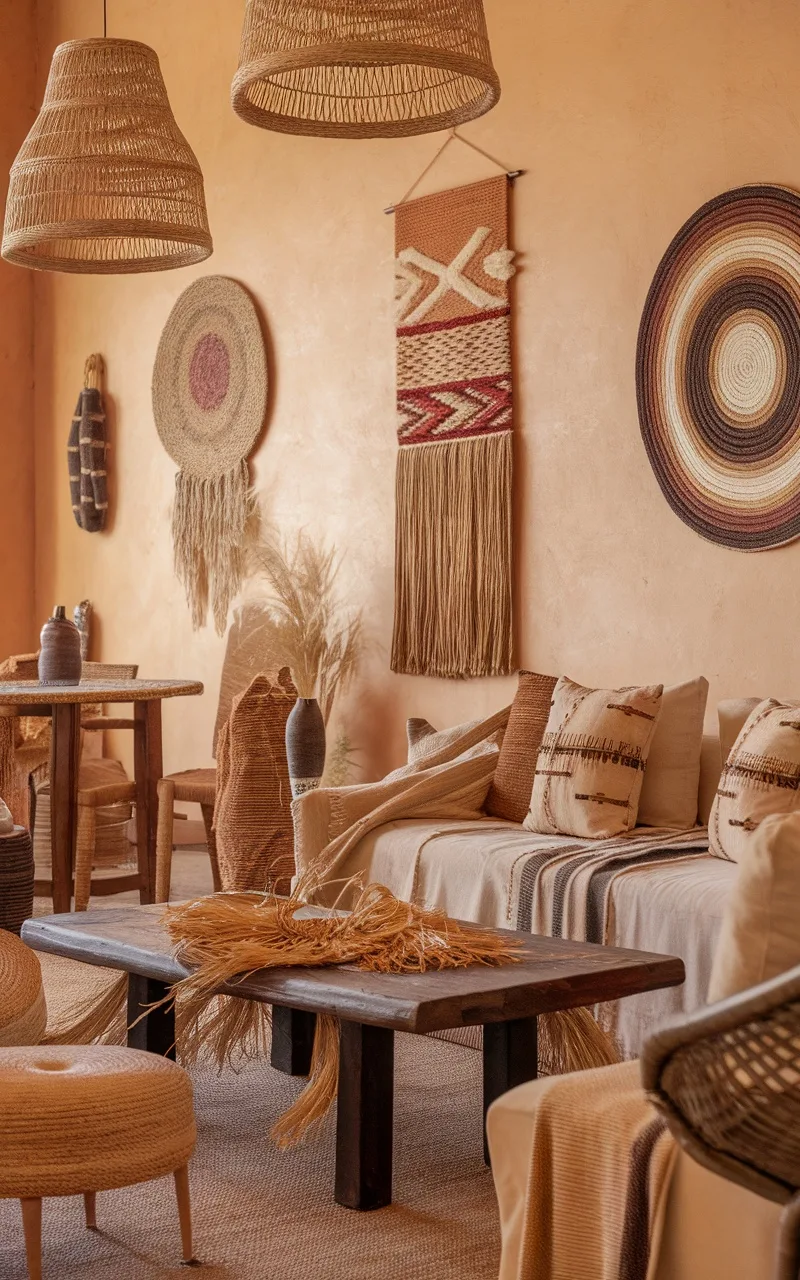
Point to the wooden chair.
(727, 1079)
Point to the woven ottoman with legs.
(78, 1120)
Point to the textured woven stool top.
(90, 1118)
(20, 979)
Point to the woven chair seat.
(23, 1012)
(90, 1118)
(198, 786)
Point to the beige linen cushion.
(732, 714)
(591, 762)
(760, 935)
(672, 776)
(761, 776)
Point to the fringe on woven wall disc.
(453, 559)
(209, 523)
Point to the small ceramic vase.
(305, 746)
(60, 655)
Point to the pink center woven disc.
(210, 372)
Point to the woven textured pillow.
(759, 938)
(590, 766)
(510, 793)
(761, 776)
(672, 776)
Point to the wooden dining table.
(62, 704)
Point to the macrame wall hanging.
(209, 403)
(454, 401)
(87, 452)
(718, 369)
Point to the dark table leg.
(292, 1040)
(364, 1117)
(510, 1057)
(64, 763)
(148, 770)
(156, 1032)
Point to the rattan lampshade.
(105, 181)
(364, 68)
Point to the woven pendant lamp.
(364, 68)
(105, 181)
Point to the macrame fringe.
(320, 1092)
(453, 558)
(209, 520)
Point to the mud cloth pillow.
(510, 793)
(590, 766)
(761, 776)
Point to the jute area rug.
(260, 1214)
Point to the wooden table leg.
(364, 1122)
(510, 1057)
(148, 769)
(156, 1032)
(292, 1040)
(64, 765)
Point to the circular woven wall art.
(209, 404)
(718, 369)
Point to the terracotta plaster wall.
(626, 117)
(17, 90)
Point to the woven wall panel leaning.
(591, 763)
(16, 877)
(454, 404)
(761, 776)
(253, 815)
(510, 793)
(78, 1120)
(209, 403)
(23, 1012)
(87, 452)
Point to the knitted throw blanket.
(453, 542)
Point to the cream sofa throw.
(590, 766)
(761, 776)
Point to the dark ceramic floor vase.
(305, 745)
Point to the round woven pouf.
(23, 1012)
(16, 879)
(88, 1118)
(718, 369)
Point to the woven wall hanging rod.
(454, 136)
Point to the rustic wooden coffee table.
(553, 974)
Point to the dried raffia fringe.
(227, 935)
(453, 568)
(209, 520)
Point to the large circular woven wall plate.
(210, 378)
(718, 369)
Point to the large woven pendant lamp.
(364, 68)
(105, 181)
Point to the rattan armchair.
(727, 1079)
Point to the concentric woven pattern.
(16, 879)
(23, 1013)
(90, 1118)
(105, 181)
(210, 378)
(739, 1091)
(718, 369)
(346, 69)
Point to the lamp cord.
(105, 19)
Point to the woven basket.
(16, 879)
(350, 69)
(105, 181)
